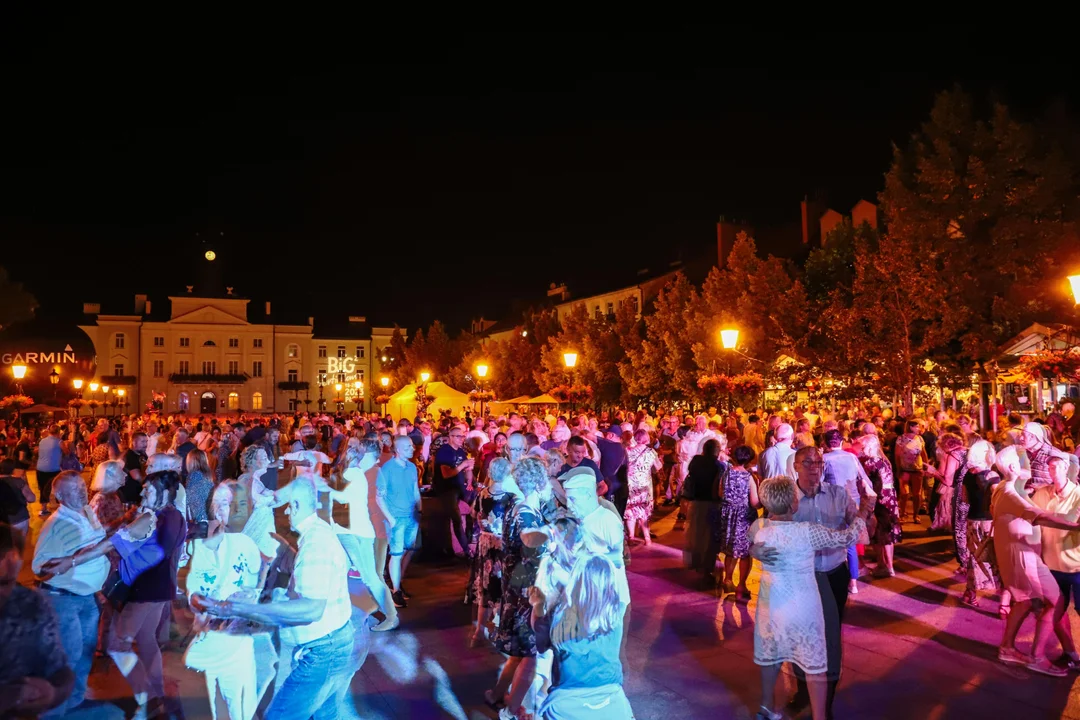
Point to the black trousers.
(44, 482)
(833, 589)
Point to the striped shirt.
(64, 533)
(321, 573)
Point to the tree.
(395, 359)
(599, 353)
(16, 303)
(663, 368)
(991, 203)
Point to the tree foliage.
(16, 303)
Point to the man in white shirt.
(358, 539)
(778, 460)
(316, 617)
(71, 528)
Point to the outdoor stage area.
(911, 650)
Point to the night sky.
(408, 174)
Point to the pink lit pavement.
(911, 650)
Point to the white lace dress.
(789, 626)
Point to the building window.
(234, 401)
(360, 374)
(184, 367)
(611, 308)
(118, 341)
(341, 351)
(209, 367)
(257, 342)
(341, 377)
(209, 343)
(118, 369)
(294, 376)
(256, 401)
(293, 351)
(182, 402)
(294, 404)
(159, 368)
(359, 352)
(185, 342)
(234, 367)
(256, 368)
(596, 313)
(322, 351)
(159, 342)
(322, 377)
(234, 342)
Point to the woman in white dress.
(260, 524)
(790, 626)
(237, 659)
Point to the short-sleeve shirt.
(399, 487)
(1060, 548)
(29, 637)
(321, 573)
(587, 463)
(447, 455)
(356, 495)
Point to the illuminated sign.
(32, 358)
(340, 365)
(346, 367)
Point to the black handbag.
(116, 591)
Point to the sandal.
(971, 600)
(1004, 609)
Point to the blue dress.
(735, 514)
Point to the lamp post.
(77, 384)
(1074, 283)
(18, 372)
(54, 378)
(385, 382)
(338, 397)
(105, 400)
(421, 393)
(481, 372)
(729, 339)
(569, 359)
(121, 393)
(93, 390)
(359, 385)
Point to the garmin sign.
(67, 355)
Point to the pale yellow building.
(212, 355)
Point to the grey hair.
(531, 475)
(777, 495)
(499, 469)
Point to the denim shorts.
(404, 535)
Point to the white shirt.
(604, 535)
(321, 573)
(356, 495)
(219, 573)
(777, 461)
(152, 443)
(63, 534)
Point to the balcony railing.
(208, 379)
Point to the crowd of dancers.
(237, 517)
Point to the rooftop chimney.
(91, 308)
(140, 304)
(311, 320)
(268, 308)
(147, 307)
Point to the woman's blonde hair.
(196, 461)
(109, 476)
(870, 446)
(777, 495)
(590, 605)
(553, 461)
(981, 455)
(531, 475)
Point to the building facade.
(208, 357)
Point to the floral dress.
(639, 506)
(735, 514)
(887, 527)
(515, 636)
(485, 581)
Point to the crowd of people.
(234, 518)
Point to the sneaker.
(1067, 663)
(1012, 656)
(766, 714)
(853, 587)
(399, 600)
(1045, 667)
(387, 624)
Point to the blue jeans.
(853, 561)
(1069, 584)
(320, 676)
(78, 616)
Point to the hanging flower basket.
(76, 403)
(382, 399)
(1051, 364)
(748, 383)
(572, 393)
(481, 396)
(716, 384)
(93, 404)
(16, 402)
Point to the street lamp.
(729, 339)
(1074, 283)
(77, 384)
(424, 377)
(54, 378)
(338, 398)
(385, 382)
(18, 372)
(481, 372)
(569, 359)
(359, 385)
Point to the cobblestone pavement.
(911, 650)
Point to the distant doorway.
(208, 403)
